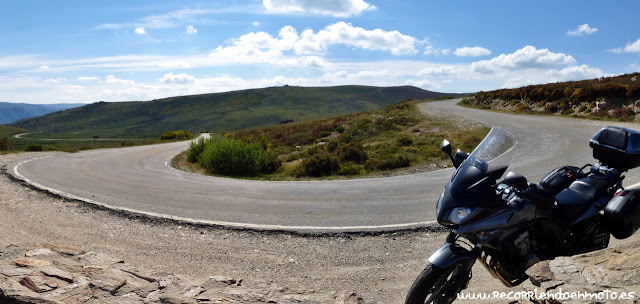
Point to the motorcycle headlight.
(458, 214)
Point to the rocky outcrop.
(54, 274)
(610, 275)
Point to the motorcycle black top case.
(617, 147)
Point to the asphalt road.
(139, 180)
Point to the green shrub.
(404, 140)
(181, 134)
(331, 146)
(5, 144)
(195, 149)
(236, 158)
(33, 148)
(352, 152)
(582, 108)
(321, 164)
(350, 169)
(467, 101)
(340, 129)
(397, 161)
(271, 163)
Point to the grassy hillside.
(11, 112)
(608, 97)
(216, 112)
(374, 142)
(9, 131)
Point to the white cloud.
(168, 20)
(335, 8)
(140, 31)
(261, 47)
(82, 78)
(430, 50)
(181, 78)
(345, 33)
(574, 73)
(55, 80)
(113, 80)
(471, 51)
(629, 48)
(45, 67)
(582, 30)
(256, 23)
(527, 57)
(287, 37)
(427, 84)
(442, 71)
(191, 30)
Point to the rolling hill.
(218, 111)
(11, 112)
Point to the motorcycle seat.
(577, 198)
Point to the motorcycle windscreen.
(471, 183)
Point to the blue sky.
(87, 51)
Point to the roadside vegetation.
(607, 98)
(377, 142)
(39, 141)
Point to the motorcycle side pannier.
(617, 147)
(622, 214)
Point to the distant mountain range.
(219, 111)
(11, 112)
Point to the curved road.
(139, 180)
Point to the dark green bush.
(404, 140)
(320, 164)
(33, 148)
(181, 134)
(331, 146)
(350, 169)
(195, 149)
(271, 163)
(397, 161)
(221, 155)
(5, 144)
(340, 129)
(352, 152)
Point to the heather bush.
(397, 161)
(404, 140)
(624, 113)
(5, 144)
(350, 169)
(33, 148)
(320, 164)
(352, 152)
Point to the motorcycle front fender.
(451, 253)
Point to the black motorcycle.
(510, 225)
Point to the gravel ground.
(380, 268)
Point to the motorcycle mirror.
(445, 147)
(516, 180)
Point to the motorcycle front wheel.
(438, 285)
